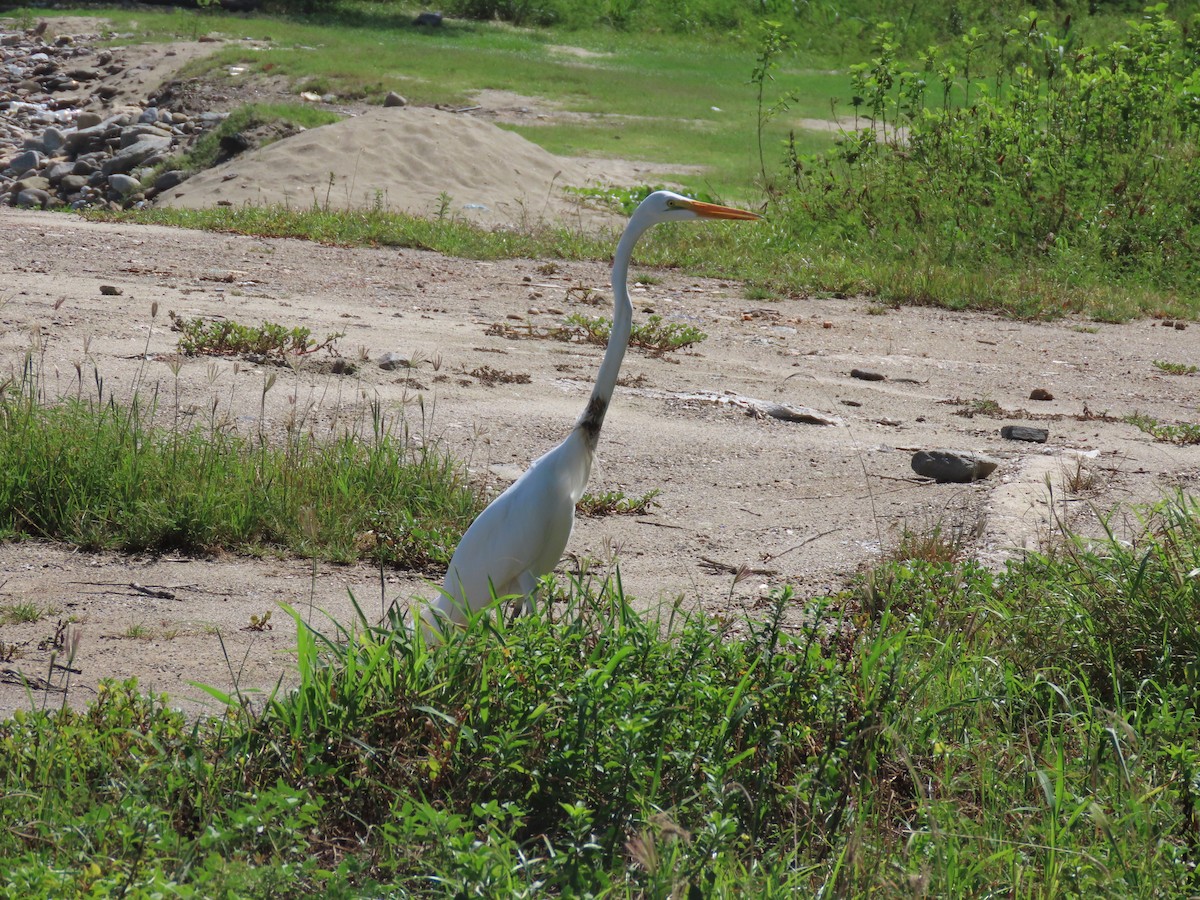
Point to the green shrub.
(1083, 159)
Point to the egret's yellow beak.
(713, 211)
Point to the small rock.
(864, 375)
(32, 183)
(1040, 394)
(124, 184)
(52, 140)
(31, 198)
(88, 120)
(392, 360)
(109, 290)
(130, 157)
(59, 171)
(957, 466)
(168, 180)
(72, 184)
(1025, 433)
(394, 99)
(23, 162)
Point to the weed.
(617, 503)
(653, 334)
(271, 342)
(489, 376)
(1167, 432)
(1173, 368)
(22, 613)
(260, 623)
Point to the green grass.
(1029, 733)
(22, 613)
(102, 475)
(675, 123)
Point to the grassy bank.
(943, 731)
(139, 476)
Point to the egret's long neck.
(618, 339)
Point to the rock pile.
(60, 144)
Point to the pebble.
(957, 466)
(1040, 394)
(1025, 433)
(864, 375)
(392, 360)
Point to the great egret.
(521, 535)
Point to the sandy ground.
(798, 504)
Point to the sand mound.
(405, 159)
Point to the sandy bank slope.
(405, 159)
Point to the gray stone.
(124, 184)
(1025, 433)
(864, 375)
(393, 360)
(168, 180)
(53, 140)
(87, 140)
(59, 171)
(72, 184)
(88, 120)
(22, 162)
(394, 99)
(135, 133)
(86, 165)
(149, 116)
(958, 466)
(32, 183)
(32, 197)
(129, 157)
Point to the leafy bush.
(1082, 157)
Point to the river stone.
(134, 133)
(1025, 433)
(124, 184)
(59, 171)
(32, 197)
(168, 180)
(53, 140)
(129, 157)
(32, 183)
(958, 466)
(24, 161)
(72, 184)
(88, 120)
(392, 360)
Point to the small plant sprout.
(1174, 368)
(616, 503)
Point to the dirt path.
(804, 505)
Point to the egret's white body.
(522, 534)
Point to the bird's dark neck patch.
(593, 418)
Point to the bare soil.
(795, 504)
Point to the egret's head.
(667, 206)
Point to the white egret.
(521, 535)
